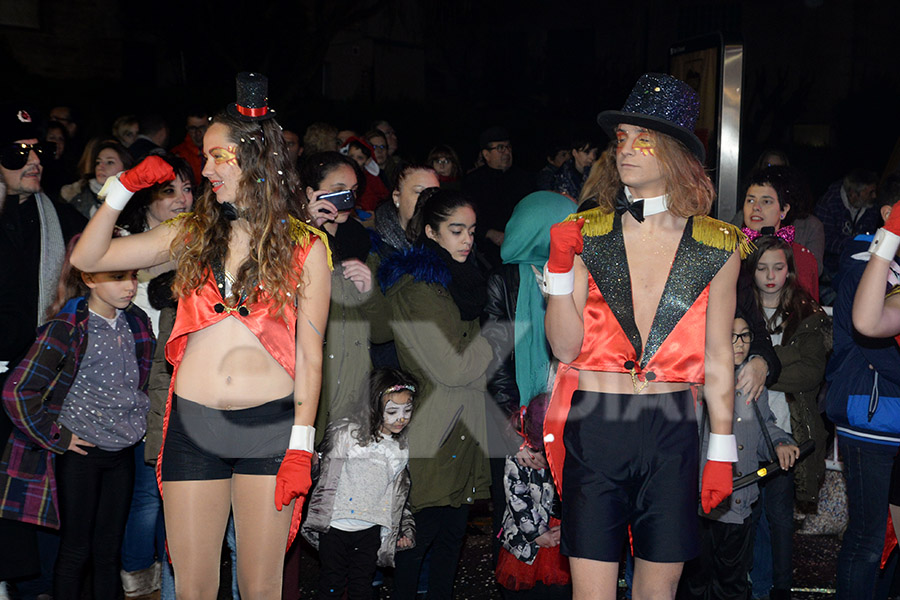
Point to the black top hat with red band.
(252, 98)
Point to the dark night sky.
(541, 68)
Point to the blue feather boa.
(422, 263)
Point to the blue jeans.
(773, 518)
(867, 470)
(145, 532)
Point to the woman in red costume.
(641, 306)
(253, 285)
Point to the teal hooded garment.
(527, 243)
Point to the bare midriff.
(621, 383)
(226, 367)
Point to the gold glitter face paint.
(645, 143)
(224, 155)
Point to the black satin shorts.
(204, 443)
(631, 460)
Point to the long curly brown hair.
(267, 196)
(690, 191)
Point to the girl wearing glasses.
(445, 162)
(801, 334)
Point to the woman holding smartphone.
(358, 311)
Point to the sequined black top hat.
(661, 103)
(252, 98)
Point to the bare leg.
(196, 513)
(594, 579)
(654, 580)
(262, 534)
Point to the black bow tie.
(636, 208)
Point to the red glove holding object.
(716, 484)
(293, 479)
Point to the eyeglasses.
(501, 147)
(379, 146)
(745, 337)
(15, 156)
(442, 161)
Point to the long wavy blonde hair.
(267, 197)
(690, 191)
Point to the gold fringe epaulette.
(175, 220)
(301, 233)
(596, 222)
(722, 235)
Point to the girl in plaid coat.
(79, 406)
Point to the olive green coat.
(448, 356)
(354, 320)
(803, 359)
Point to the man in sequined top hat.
(642, 299)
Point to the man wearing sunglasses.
(33, 231)
(32, 251)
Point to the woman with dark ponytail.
(437, 294)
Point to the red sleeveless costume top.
(206, 306)
(675, 345)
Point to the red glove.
(565, 242)
(150, 171)
(886, 241)
(717, 478)
(893, 221)
(293, 477)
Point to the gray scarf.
(387, 224)
(53, 253)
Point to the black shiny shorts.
(631, 460)
(204, 443)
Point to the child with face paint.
(358, 513)
(530, 562)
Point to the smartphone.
(343, 200)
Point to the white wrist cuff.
(722, 448)
(115, 194)
(303, 437)
(559, 284)
(885, 244)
